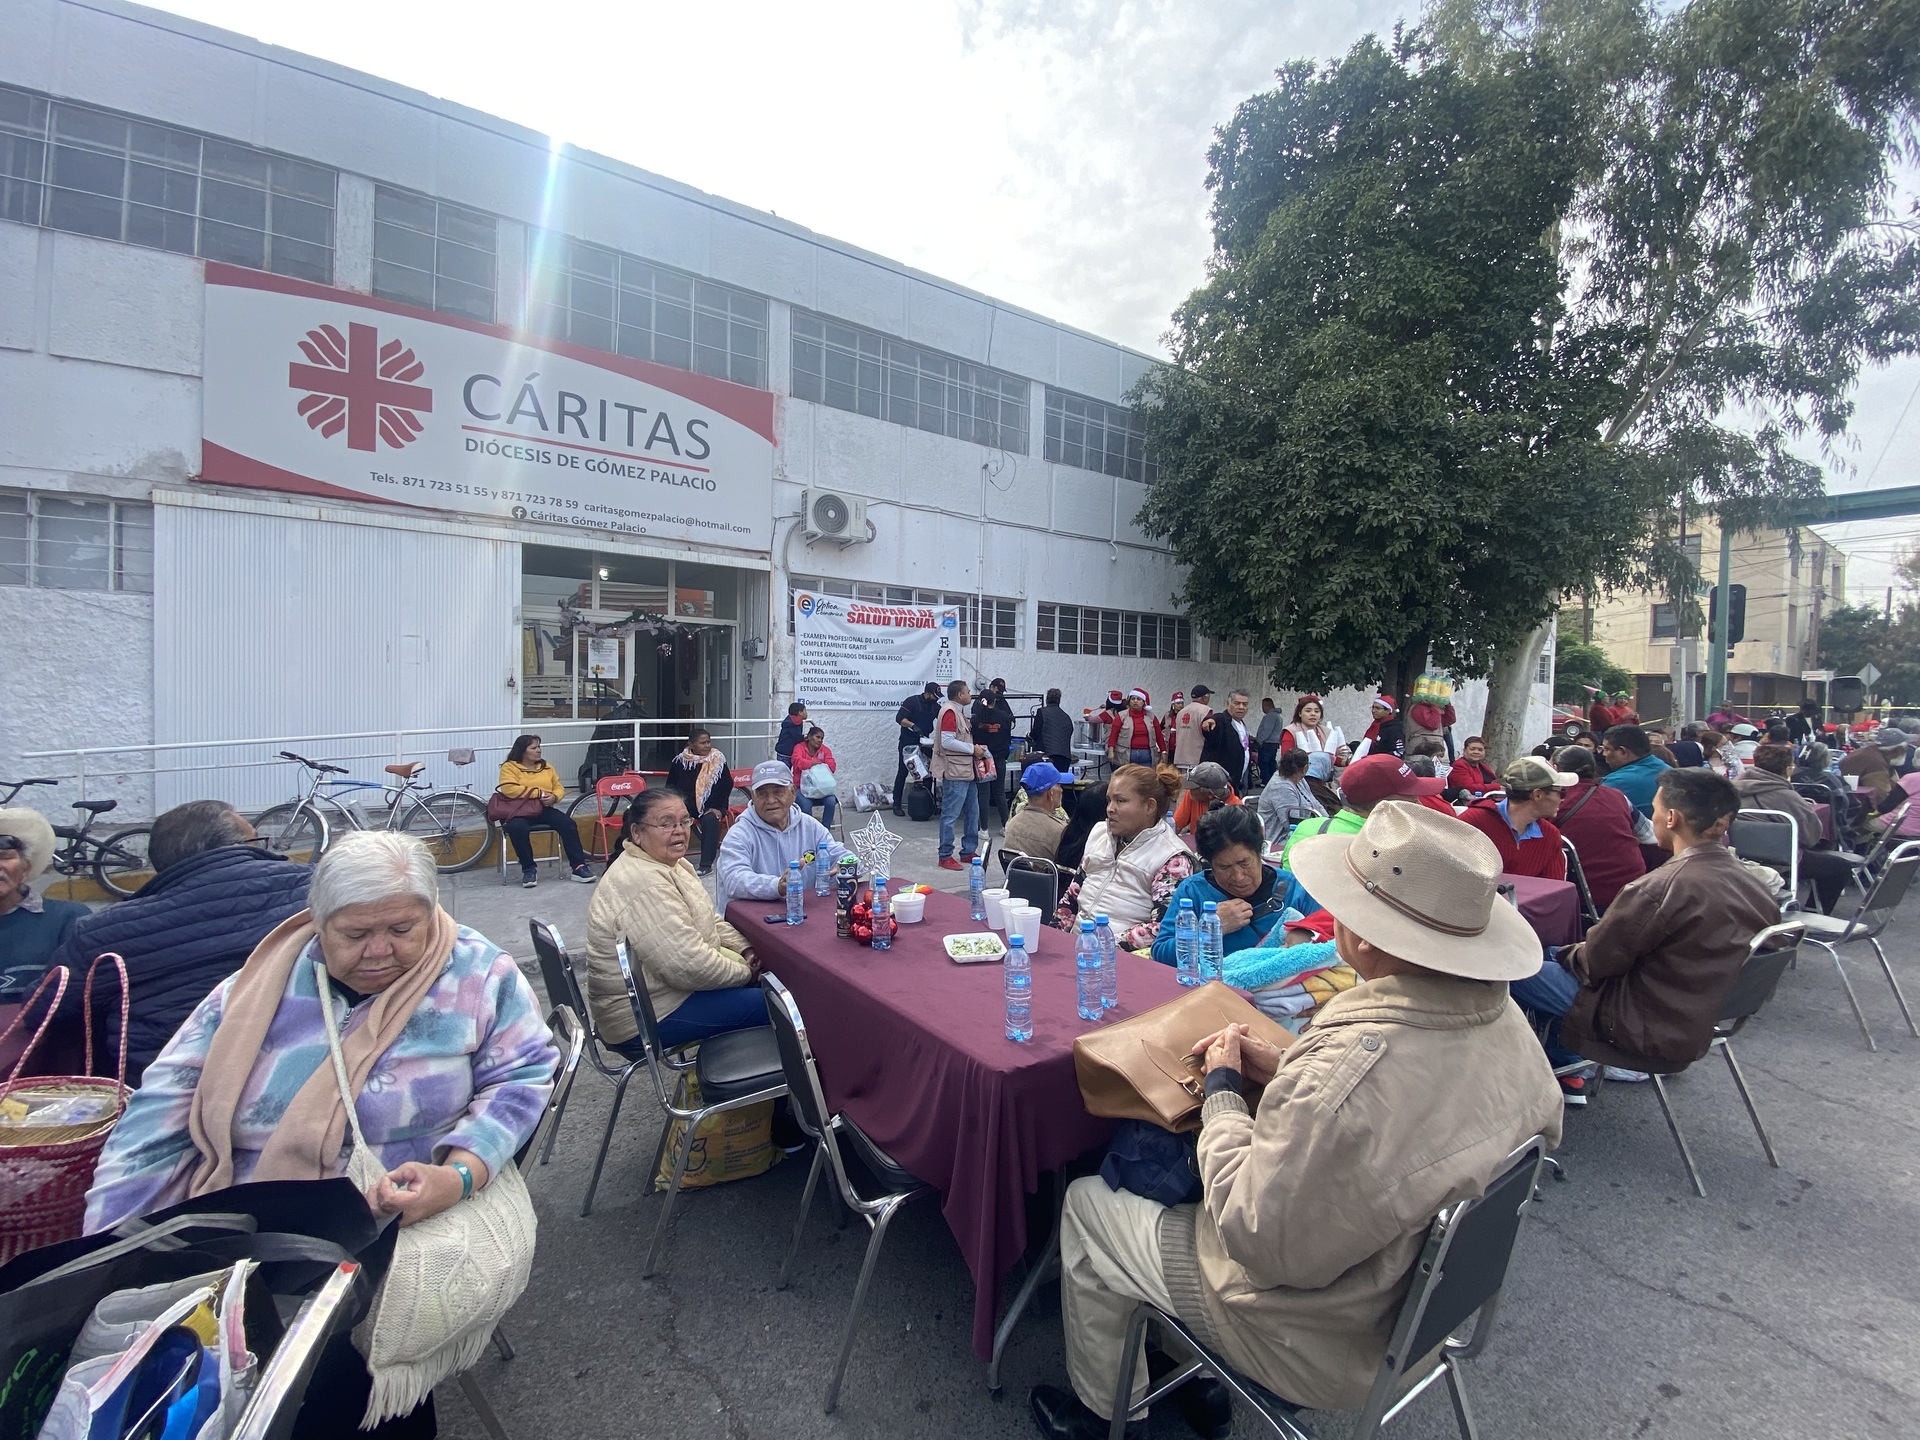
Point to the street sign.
(1817, 675)
(1868, 672)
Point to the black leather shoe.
(1060, 1416)
(1204, 1403)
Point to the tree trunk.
(1508, 690)
(1406, 666)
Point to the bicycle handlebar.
(22, 784)
(313, 764)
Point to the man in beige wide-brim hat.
(1407, 1093)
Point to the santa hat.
(1176, 699)
(1386, 703)
(1145, 699)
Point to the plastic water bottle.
(796, 894)
(1109, 962)
(1019, 990)
(1086, 971)
(882, 915)
(822, 874)
(1212, 946)
(1186, 944)
(977, 890)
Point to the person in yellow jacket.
(526, 776)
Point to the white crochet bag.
(453, 1278)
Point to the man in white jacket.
(772, 834)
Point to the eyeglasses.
(671, 826)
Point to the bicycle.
(452, 823)
(118, 863)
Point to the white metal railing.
(96, 764)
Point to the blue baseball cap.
(1041, 776)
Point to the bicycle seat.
(98, 807)
(407, 771)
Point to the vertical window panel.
(430, 253)
(1090, 435)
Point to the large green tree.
(1373, 442)
(1490, 312)
(1737, 254)
(1855, 636)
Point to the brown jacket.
(1654, 971)
(1405, 1095)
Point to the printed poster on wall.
(852, 655)
(328, 392)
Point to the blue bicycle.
(452, 824)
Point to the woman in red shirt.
(1134, 740)
(1471, 777)
(1521, 825)
(1599, 821)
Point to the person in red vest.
(1600, 822)
(1521, 824)
(1600, 713)
(1471, 778)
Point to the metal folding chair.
(1770, 837)
(282, 1383)
(1459, 1275)
(1830, 932)
(564, 988)
(734, 1069)
(829, 1132)
(1589, 912)
(1035, 881)
(1768, 956)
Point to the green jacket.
(1344, 822)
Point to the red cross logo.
(358, 385)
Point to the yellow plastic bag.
(733, 1145)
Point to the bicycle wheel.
(454, 827)
(294, 830)
(121, 864)
(601, 845)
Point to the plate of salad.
(976, 948)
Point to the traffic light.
(1846, 693)
(1736, 614)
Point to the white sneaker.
(1623, 1077)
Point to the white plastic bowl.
(910, 909)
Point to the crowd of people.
(1357, 888)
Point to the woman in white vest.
(1133, 861)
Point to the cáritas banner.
(322, 391)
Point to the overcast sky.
(1051, 153)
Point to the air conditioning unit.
(829, 515)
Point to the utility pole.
(1722, 617)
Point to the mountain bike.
(118, 862)
(453, 824)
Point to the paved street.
(1785, 1304)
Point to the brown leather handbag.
(1144, 1068)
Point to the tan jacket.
(949, 766)
(1187, 736)
(1405, 1095)
(676, 943)
(1035, 832)
(1763, 790)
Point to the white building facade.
(195, 541)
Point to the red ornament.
(860, 919)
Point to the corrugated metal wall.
(280, 626)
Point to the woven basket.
(45, 1171)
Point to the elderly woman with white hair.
(449, 1059)
(31, 926)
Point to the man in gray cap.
(767, 839)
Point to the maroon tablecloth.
(1552, 907)
(1825, 812)
(913, 1047)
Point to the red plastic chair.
(608, 792)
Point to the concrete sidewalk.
(1785, 1304)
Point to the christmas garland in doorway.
(634, 622)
